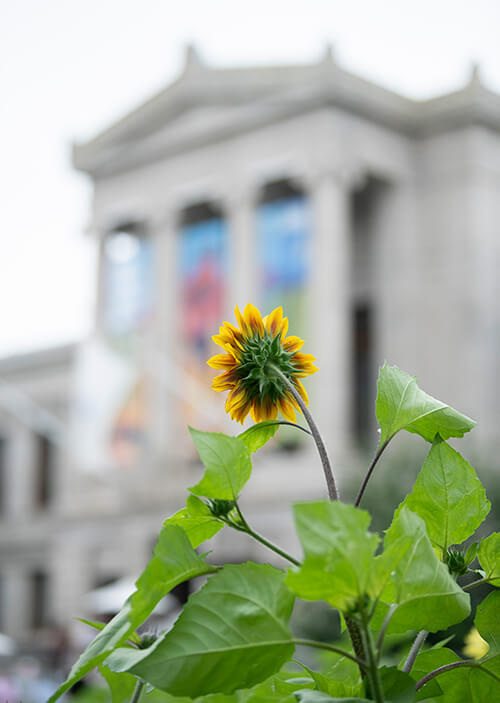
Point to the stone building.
(372, 217)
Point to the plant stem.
(330, 648)
(137, 692)
(415, 648)
(245, 527)
(377, 456)
(325, 461)
(373, 672)
(479, 582)
(454, 665)
(383, 629)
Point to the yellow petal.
(225, 381)
(293, 344)
(286, 409)
(302, 391)
(253, 318)
(242, 322)
(273, 321)
(222, 361)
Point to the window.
(44, 477)
(39, 598)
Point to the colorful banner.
(203, 275)
(283, 228)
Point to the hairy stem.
(415, 648)
(325, 461)
(330, 648)
(375, 459)
(137, 692)
(479, 582)
(454, 665)
(287, 422)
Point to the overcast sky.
(70, 67)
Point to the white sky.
(70, 67)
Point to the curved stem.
(454, 665)
(245, 527)
(377, 456)
(330, 648)
(479, 582)
(383, 629)
(285, 422)
(325, 461)
(137, 692)
(415, 648)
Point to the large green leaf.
(448, 496)
(196, 520)
(401, 405)
(338, 550)
(231, 634)
(121, 686)
(427, 596)
(489, 557)
(487, 621)
(398, 686)
(258, 435)
(174, 561)
(227, 465)
(308, 696)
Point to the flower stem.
(373, 673)
(137, 692)
(415, 648)
(325, 461)
(377, 456)
(383, 629)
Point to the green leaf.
(258, 435)
(487, 621)
(94, 624)
(227, 463)
(337, 681)
(401, 405)
(338, 549)
(489, 557)
(308, 696)
(470, 684)
(425, 663)
(397, 685)
(121, 686)
(427, 596)
(196, 520)
(231, 634)
(448, 496)
(174, 561)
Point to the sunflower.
(257, 356)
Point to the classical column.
(242, 273)
(330, 308)
(163, 335)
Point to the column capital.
(348, 175)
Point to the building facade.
(371, 217)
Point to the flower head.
(256, 354)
